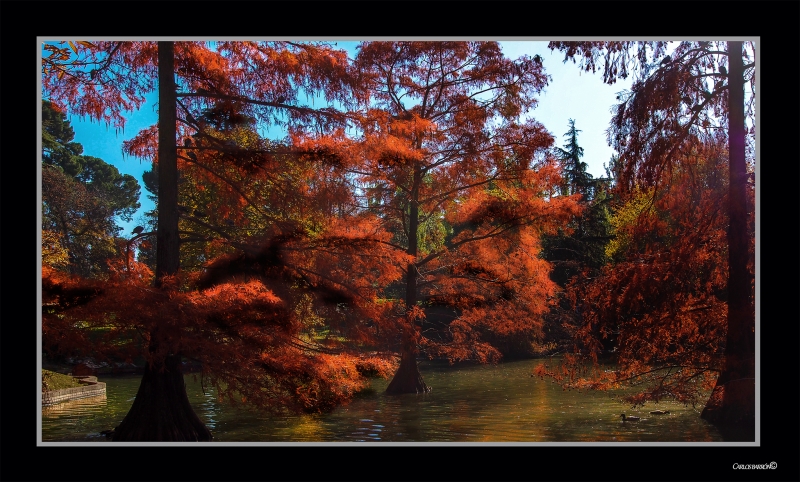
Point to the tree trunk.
(732, 403)
(161, 410)
(407, 379)
(167, 241)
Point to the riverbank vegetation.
(421, 212)
(57, 381)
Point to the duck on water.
(629, 419)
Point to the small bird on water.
(629, 419)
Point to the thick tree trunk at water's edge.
(161, 411)
(407, 379)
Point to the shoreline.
(91, 388)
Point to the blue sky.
(572, 94)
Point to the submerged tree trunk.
(732, 403)
(161, 410)
(407, 379)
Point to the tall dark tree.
(576, 179)
(577, 250)
(103, 80)
(161, 409)
(583, 245)
(698, 87)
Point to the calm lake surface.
(500, 403)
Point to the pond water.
(475, 403)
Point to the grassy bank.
(57, 381)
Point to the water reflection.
(81, 406)
(500, 403)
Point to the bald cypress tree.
(696, 89)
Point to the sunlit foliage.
(442, 157)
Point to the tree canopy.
(321, 219)
(82, 198)
(104, 80)
(445, 162)
(702, 92)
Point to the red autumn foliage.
(248, 331)
(444, 160)
(251, 329)
(103, 80)
(663, 307)
(702, 87)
